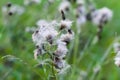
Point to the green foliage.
(16, 46)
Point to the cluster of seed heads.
(98, 17)
(52, 34)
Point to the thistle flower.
(102, 16)
(66, 37)
(59, 63)
(61, 50)
(11, 9)
(50, 34)
(41, 36)
(64, 6)
(65, 24)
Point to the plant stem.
(53, 72)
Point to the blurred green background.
(16, 46)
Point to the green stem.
(53, 72)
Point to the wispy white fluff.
(61, 50)
(60, 63)
(42, 34)
(50, 34)
(66, 23)
(15, 9)
(98, 15)
(67, 37)
(64, 5)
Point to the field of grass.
(88, 60)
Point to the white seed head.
(14, 9)
(66, 37)
(41, 35)
(103, 14)
(61, 50)
(17, 9)
(66, 24)
(49, 32)
(64, 6)
(59, 63)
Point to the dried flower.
(66, 37)
(64, 6)
(59, 63)
(50, 34)
(101, 16)
(61, 50)
(65, 24)
(12, 9)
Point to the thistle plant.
(98, 17)
(52, 38)
(10, 11)
(64, 6)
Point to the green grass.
(83, 55)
